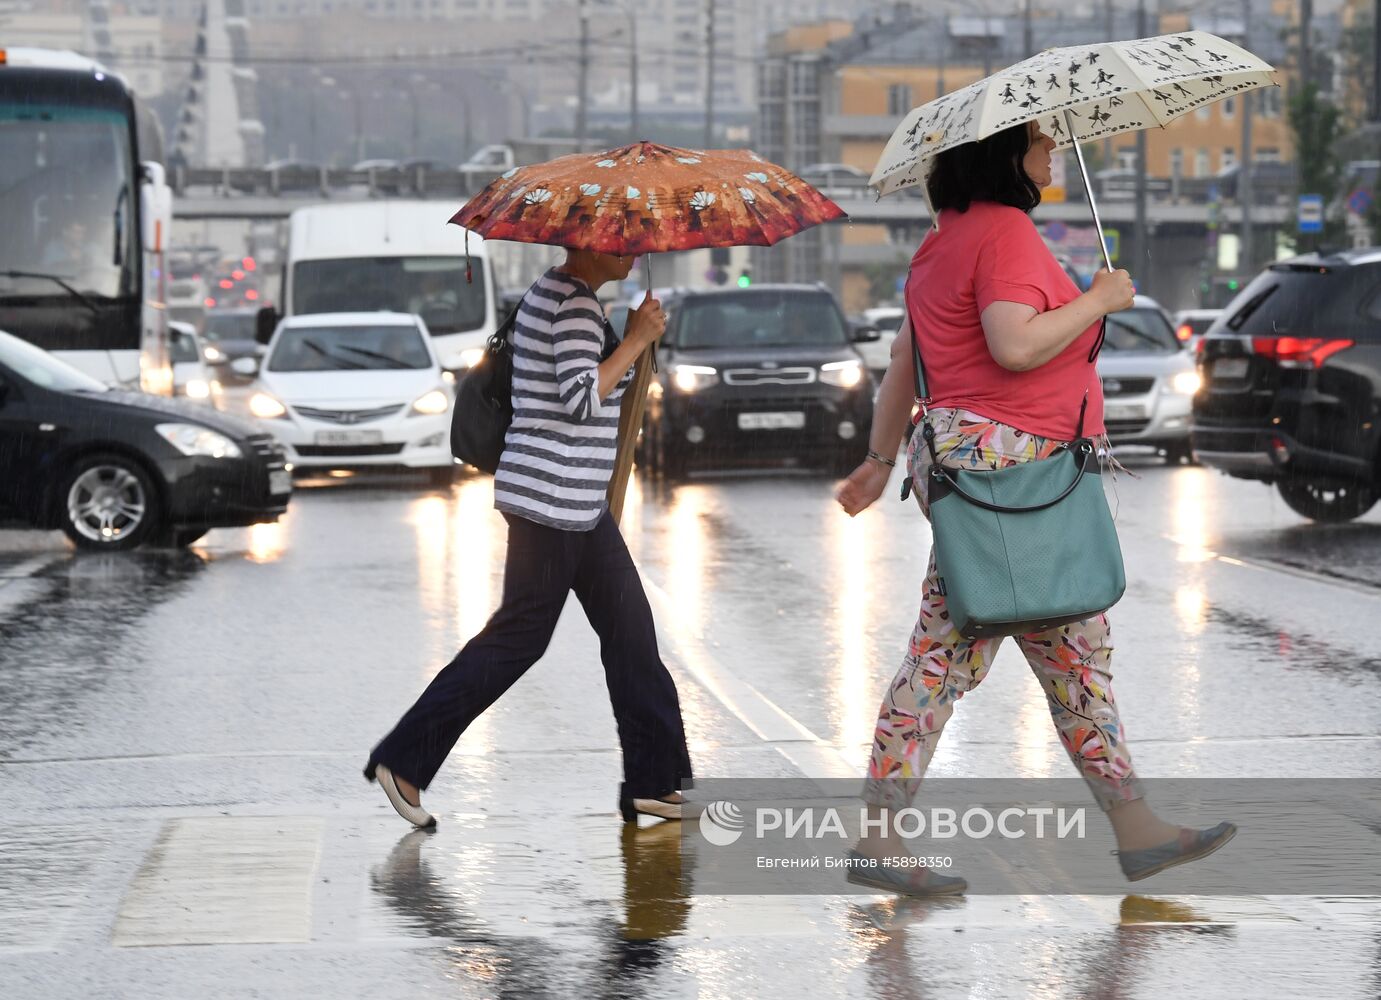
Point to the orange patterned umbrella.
(645, 198)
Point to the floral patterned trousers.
(1072, 662)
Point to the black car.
(118, 469)
(756, 374)
(1292, 384)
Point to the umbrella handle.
(1088, 188)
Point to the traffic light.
(745, 278)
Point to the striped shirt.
(559, 451)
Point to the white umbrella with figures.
(1077, 93)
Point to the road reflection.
(852, 675)
(436, 896)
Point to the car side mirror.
(248, 367)
(867, 335)
(265, 322)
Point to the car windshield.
(1306, 300)
(41, 368)
(182, 349)
(759, 319)
(229, 326)
(334, 348)
(1141, 329)
(432, 287)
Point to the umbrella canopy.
(646, 198)
(1106, 88)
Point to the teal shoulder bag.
(1026, 548)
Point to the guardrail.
(418, 182)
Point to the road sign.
(1359, 201)
(1112, 239)
(1056, 231)
(1310, 213)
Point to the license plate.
(1230, 368)
(349, 437)
(280, 481)
(771, 421)
(1124, 412)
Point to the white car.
(1149, 381)
(877, 354)
(190, 375)
(352, 390)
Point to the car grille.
(343, 450)
(267, 449)
(1117, 428)
(347, 416)
(769, 376)
(1113, 386)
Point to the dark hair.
(988, 170)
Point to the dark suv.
(762, 373)
(1292, 384)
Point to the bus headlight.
(845, 374)
(265, 407)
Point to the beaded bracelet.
(890, 463)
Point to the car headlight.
(691, 378)
(213, 354)
(432, 404)
(193, 439)
(198, 389)
(1186, 383)
(845, 374)
(264, 406)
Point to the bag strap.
(1082, 453)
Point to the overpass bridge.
(258, 194)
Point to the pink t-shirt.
(993, 253)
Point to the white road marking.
(224, 880)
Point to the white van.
(398, 256)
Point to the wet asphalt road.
(181, 736)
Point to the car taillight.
(1298, 352)
(1184, 331)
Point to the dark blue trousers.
(542, 566)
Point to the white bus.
(84, 214)
(400, 256)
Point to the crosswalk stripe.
(224, 880)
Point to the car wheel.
(671, 461)
(442, 475)
(845, 460)
(180, 538)
(1327, 500)
(1179, 453)
(109, 503)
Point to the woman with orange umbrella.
(553, 482)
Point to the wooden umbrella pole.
(630, 421)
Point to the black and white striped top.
(559, 451)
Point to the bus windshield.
(66, 198)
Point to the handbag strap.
(922, 383)
(1083, 451)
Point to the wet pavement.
(181, 736)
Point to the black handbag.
(484, 403)
(483, 409)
